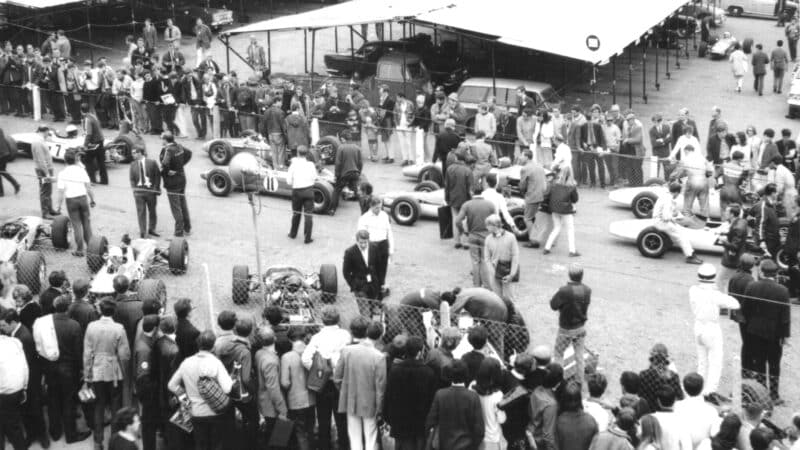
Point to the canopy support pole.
(336, 39)
(352, 46)
(494, 74)
(229, 50)
(686, 45)
(133, 19)
(313, 48)
(630, 76)
(666, 66)
(227, 53)
(644, 71)
(404, 60)
(391, 36)
(614, 80)
(593, 83)
(269, 51)
(658, 85)
(305, 50)
(89, 28)
(677, 48)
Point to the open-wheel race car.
(641, 200)
(135, 258)
(18, 240)
(719, 47)
(298, 294)
(508, 175)
(118, 149)
(424, 202)
(221, 150)
(248, 173)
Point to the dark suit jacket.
(759, 61)
(70, 341)
(410, 388)
(677, 129)
(47, 298)
(355, 271)
(458, 180)
(31, 356)
(145, 381)
(446, 141)
(714, 146)
(599, 135)
(348, 159)
(164, 362)
(128, 314)
(29, 313)
(661, 131)
(168, 60)
(152, 172)
(767, 319)
(473, 360)
(83, 313)
(457, 412)
(94, 133)
(186, 336)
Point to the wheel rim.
(185, 256)
(644, 206)
(519, 222)
(218, 182)
(404, 211)
(319, 199)
(218, 152)
(653, 242)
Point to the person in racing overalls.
(733, 245)
(784, 180)
(696, 169)
(765, 230)
(487, 307)
(734, 172)
(706, 300)
(665, 214)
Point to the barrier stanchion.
(37, 103)
(314, 131)
(651, 167)
(419, 145)
(215, 129)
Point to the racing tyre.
(327, 147)
(178, 255)
(702, 50)
(405, 210)
(782, 258)
(323, 195)
(124, 146)
(426, 186)
(650, 182)
(31, 270)
(652, 243)
(431, 173)
(518, 215)
(12, 144)
(59, 232)
(151, 290)
(219, 183)
(96, 253)
(220, 152)
(642, 205)
(241, 285)
(328, 283)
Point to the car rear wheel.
(643, 204)
(652, 243)
(328, 283)
(96, 252)
(219, 183)
(178, 255)
(151, 290)
(405, 210)
(220, 152)
(241, 285)
(782, 258)
(426, 186)
(32, 270)
(12, 144)
(431, 173)
(518, 215)
(124, 146)
(327, 147)
(59, 232)
(323, 196)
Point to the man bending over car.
(665, 216)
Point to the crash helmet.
(706, 273)
(72, 131)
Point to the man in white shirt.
(702, 419)
(13, 383)
(706, 302)
(674, 432)
(376, 222)
(686, 139)
(328, 342)
(784, 180)
(500, 206)
(665, 214)
(172, 33)
(74, 186)
(301, 177)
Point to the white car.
(723, 47)
(220, 151)
(653, 243)
(424, 202)
(134, 259)
(58, 144)
(18, 240)
(794, 93)
(508, 175)
(641, 200)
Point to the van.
(758, 8)
(475, 91)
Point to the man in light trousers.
(572, 303)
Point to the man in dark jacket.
(737, 286)
(733, 245)
(145, 179)
(456, 412)
(152, 98)
(446, 141)
(173, 157)
(477, 337)
(593, 140)
(128, 313)
(359, 269)
(765, 231)
(759, 60)
(718, 147)
(348, 168)
(192, 94)
(275, 129)
(80, 310)
(767, 316)
(95, 157)
(145, 381)
(33, 415)
(63, 376)
(164, 362)
(458, 181)
(186, 333)
(235, 349)
(572, 303)
(58, 284)
(410, 388)
(680, 125)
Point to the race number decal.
(55, 149)
(270, 181)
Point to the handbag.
(212, 393)
(321, 371)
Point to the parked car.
(759, 8)
(722, 47)
(793, 98)
(221, 150)
(653, 243)
(475, 91)
(700, 9)
(59, 143)
(19, 238)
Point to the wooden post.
(658, 85)
(644, 71)
(630, 76)
(336, 39)
(313, 47)
(305, 50)
(227, 53)
(614, 80)
(494, 74)
(269, 51)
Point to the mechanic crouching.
(665, 217)
(484, 305)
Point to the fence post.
(419, 145)
(314, 131)
(37, 103)
(651, 170)
(215, 129)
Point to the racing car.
(18, 239)
(508, 175)
(298, 294)
(719, 47)
(118, 149)
(426, 199)
(134, 259)
(222, 150)
(794, 93)
(642, 199)
(248, 173)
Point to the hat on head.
(614, 108)
(453, 96)
(706, 273)
(768, 267)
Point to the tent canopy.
(587, 30)
(39, 4)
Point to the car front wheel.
(652, 243)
